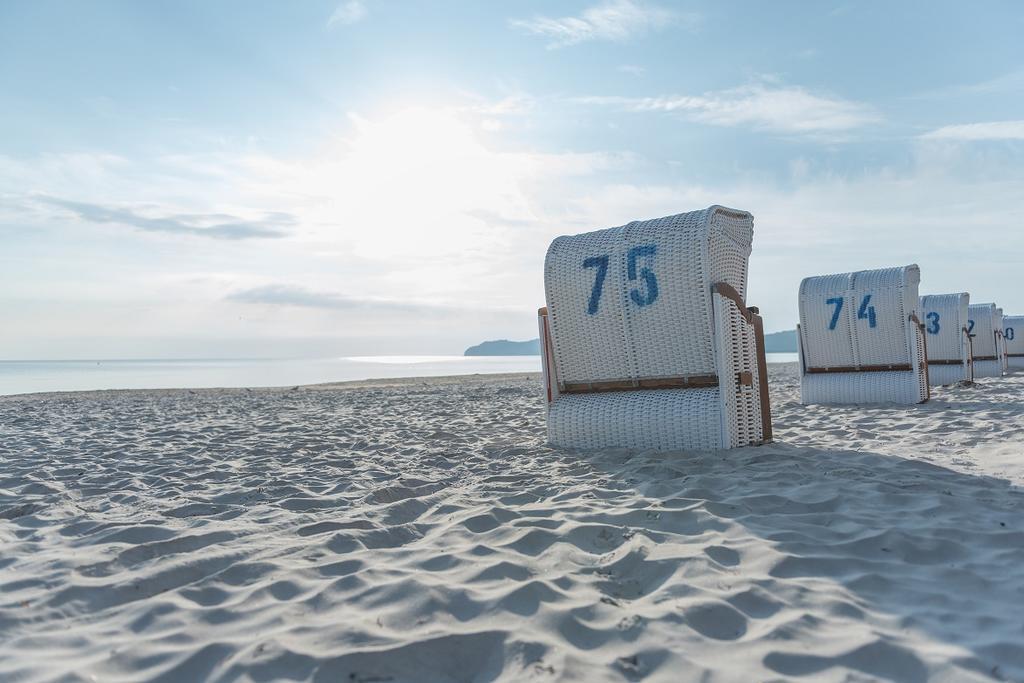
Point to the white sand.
(421, 531)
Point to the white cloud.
(784, 109)
(967, 132)
(1010, 82)
(349, 12)
(631, 69)
(614, 20)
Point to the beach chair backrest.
(861, 320)
(634, 302)
(981, 325)
(944, 317)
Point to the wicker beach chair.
(1013, 337)
(949, 345)
(985, 326)
(861, 339)
(646, 340)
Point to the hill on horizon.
(776, 342)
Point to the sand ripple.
(422, 531)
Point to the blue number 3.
(933, 318)
(651, 283)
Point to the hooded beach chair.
(861, 339)
(985, 326)
(949, 345)
(646, 340)
(1013, 336)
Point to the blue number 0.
(866, 312)
(1009, 333)
(645, 251)
(838, 303)
(601, 263)
(933, 317)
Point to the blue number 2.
(970, 328)
(647, 250)
(601, 263)
(933, 317)
(866, 312)
(838, 303)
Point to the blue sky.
(244, 178)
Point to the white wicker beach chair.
(949, 346)
(861, 339)
(646, 340)
(1013, 336)
(985, 326)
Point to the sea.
(32, 376)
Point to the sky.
(282, 179)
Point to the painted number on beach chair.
(640, 296)
(933, 320)
(1008, 333)
(838, 303)
(970, 329)
(650, 282)
(866, 312)
(601, 263)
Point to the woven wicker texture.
(635, 303)
(945, 319)
(670, 419)
(627, 329)
(1013, 333)
(984, 323)
(862, 319)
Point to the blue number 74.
(865, 312)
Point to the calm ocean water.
(22, 377)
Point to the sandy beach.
(421, 530)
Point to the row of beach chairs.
(647, 342)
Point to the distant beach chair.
(985, 326)
(1013, 336)
(861, 339)
(949, 346)
(1001, 340)
(646, 340)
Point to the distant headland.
(504, 347)
(776, 342)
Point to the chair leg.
(762, 372)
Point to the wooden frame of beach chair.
(861, 339)
(646, 341)
(1013, 337)
(984, 324)
(949, 346)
